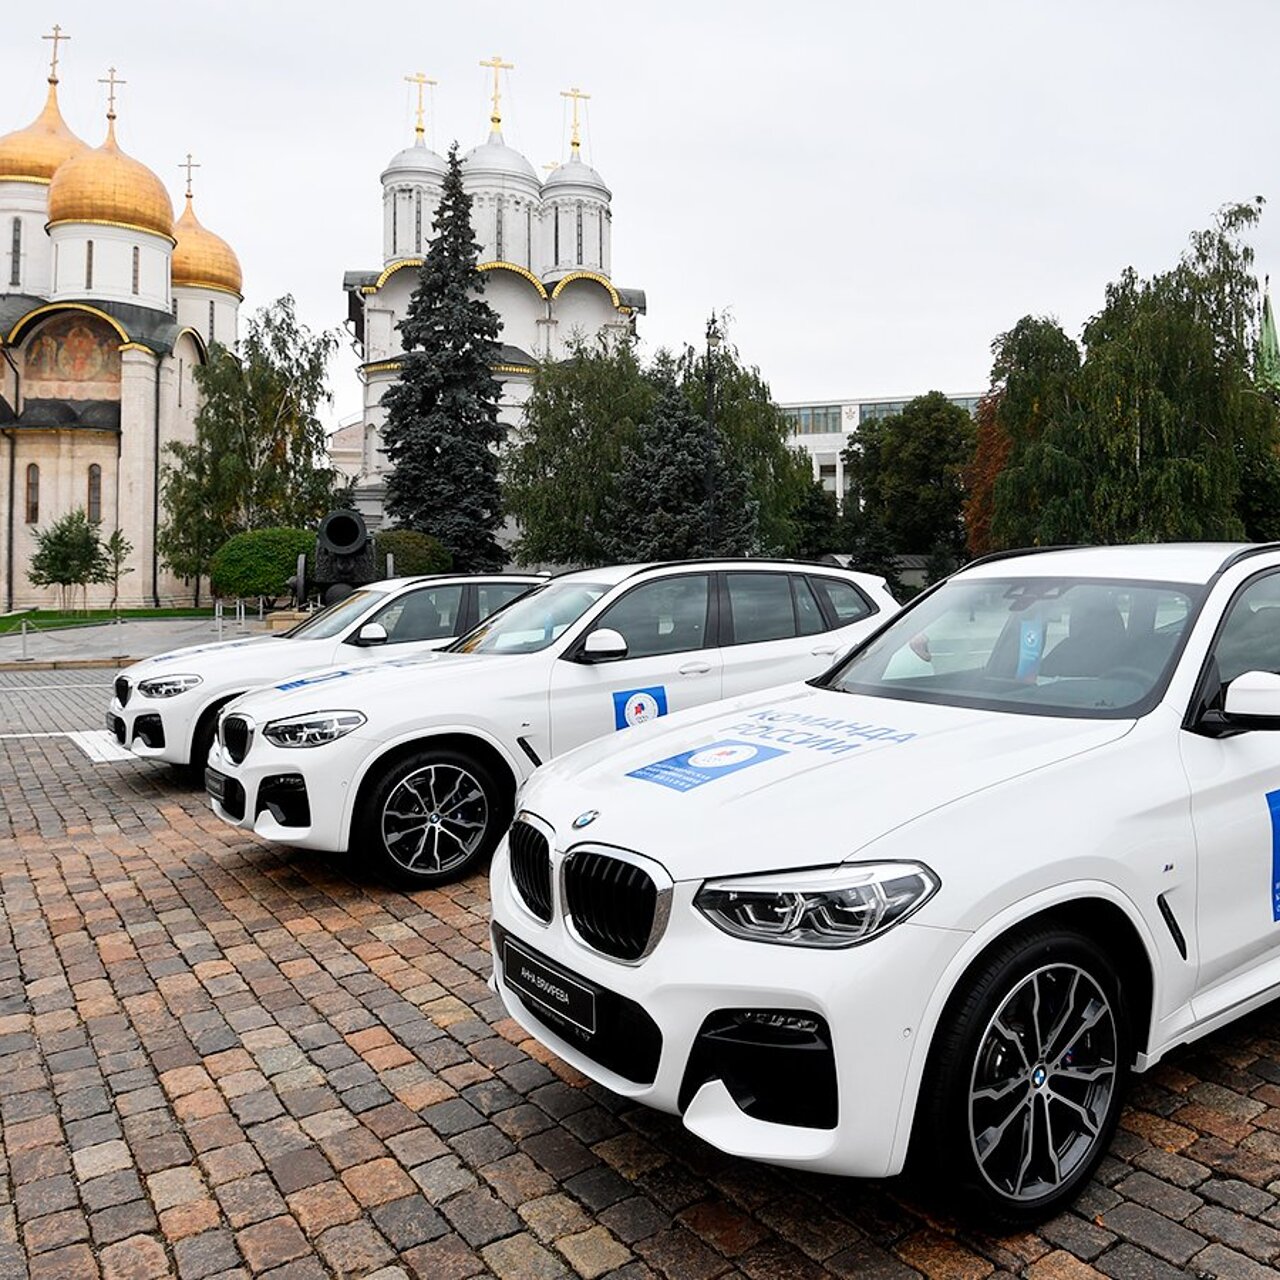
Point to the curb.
(70, 664)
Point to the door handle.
(695, 668)
(825, 651)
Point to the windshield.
(336, 618)
(534, 621)
(1040, 646)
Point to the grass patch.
(51, 619)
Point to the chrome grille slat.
(612, 903)
(237, 734)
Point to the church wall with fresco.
(108, 304)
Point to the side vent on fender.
(1172, 921)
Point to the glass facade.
(814, 420)
(828, 419)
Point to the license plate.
(215, 784)
(552, 988)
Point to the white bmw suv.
(414, 765)
(939, 901)
(165, 707)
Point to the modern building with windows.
(107, 306)
(822, 430)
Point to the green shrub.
(414, 552)
(259, 562)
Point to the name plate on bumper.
(548, 986)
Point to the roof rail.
(1244, 553)
(993, 556)
(811, 564)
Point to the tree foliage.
(905, 475)
(815, 523)
(1160, 432)
(259, 456)
(413, 552)
(678, 495)
(990, 455)
(442, 430)
(259, 562)
(68, 554)
(562, 477)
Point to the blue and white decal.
(1030, 649)
(635, 706)
(696, 768)
(205, 648)
(1273, 805)
(343, 673)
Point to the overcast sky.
(874, 190)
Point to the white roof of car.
(1157, 562)
(611, 575)
(394, 584)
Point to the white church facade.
(107, 306)
(545, 251)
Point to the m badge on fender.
(635, 706)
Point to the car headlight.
(312, 730)
(168, 686)
(829, 907)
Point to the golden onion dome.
(107, 186)
(201, 259)
(34, 154)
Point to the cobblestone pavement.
(52, 701)
(217, 1060)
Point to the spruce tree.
(442, 428)
(678, 495)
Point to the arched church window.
(528, 236)
(555, 216)
(417, 220)
(88, 264)
(15, 264)
(395, 222)
(137, 265)
(211, 314)
(33, 493)
(93, 507)
(579, 233)
(498, 230)
(600, 236)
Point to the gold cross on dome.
(575, 140)
(56, 37)
(111, 83)
(188, 165)
(499, 67)
(421, 81)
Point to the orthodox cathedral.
(546, 251)
(107, 304)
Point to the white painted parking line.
(100, 746)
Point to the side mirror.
(603, 645)
(372, 633)
(1253, 701)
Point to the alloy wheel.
(435, 818)
(1042, 1083)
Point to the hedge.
(259, 562)
(414, 552)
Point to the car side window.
(667, 615)
(430, 613)
(1250, 638)
(809, 619)
(845, 601)
(491, 596)
(761, 607)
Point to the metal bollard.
(217, 613)
(24, 657)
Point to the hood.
(795, 777)
(372, 686)
(203, 657)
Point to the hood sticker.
(696, 768)
(204, 648)
(816, 733)
(341, 673)
(635, 706)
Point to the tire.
(431, 818)
(1025, 1079)
(201, 741)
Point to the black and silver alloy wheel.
(431, 816)
(434, 819)
(1025, 1078)
(1042, 1082)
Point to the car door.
(672, 662)
(1235, 809)
(422, 618)
(773, 630)
(850, 615)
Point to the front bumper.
(289, 796)
(153, 729)
(869, 1000)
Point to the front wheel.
(1025, 1078)
(432, 817)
